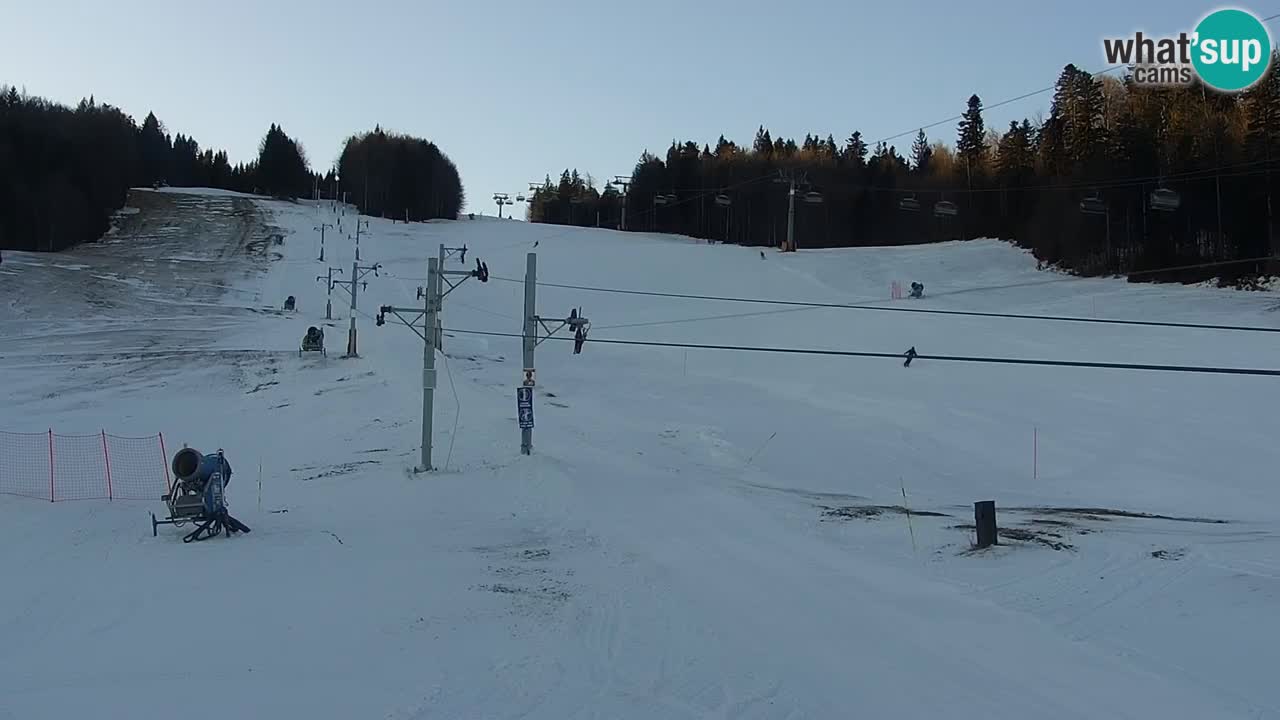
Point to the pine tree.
(1052, 139)
(830, 150)
(282, 166)
(1014, 161)
(971, 144)
(921, 153)
(763, 144)
(154, 149)
(855, 150)
(1084, 132)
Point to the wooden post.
(984, 518)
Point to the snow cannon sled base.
(198, 496)
(313, 341)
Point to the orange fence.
(53, 467)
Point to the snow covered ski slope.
(698, 534)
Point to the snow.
(670, 549)
(202, 192)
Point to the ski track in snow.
(697, 535)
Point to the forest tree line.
(1119, 178)
(398, 176)
(64, 171)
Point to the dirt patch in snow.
(1105, 514)
(867, 512)
(1023, 535)
(333, 470)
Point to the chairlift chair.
(519, 198)
(945, 208)
(813, 197)
(1165, 200)
(723, 200)
(1093, 205)
(909, 203)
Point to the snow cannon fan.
(198, 496)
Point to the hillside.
(698, 533)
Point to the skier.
(761, 254)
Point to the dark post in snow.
(984, 518)
(576, 322)
(530, 339)
(323, 225)
(329, 282)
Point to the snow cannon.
(198, 496)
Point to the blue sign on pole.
(524, 407)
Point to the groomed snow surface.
(699, 534)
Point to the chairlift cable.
(923, 311)
(917, 356)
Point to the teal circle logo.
(1232, 50)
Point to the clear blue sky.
(515, 90)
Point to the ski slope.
(698, 534)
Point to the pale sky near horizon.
(513, 91)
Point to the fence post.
(106, 457)
(51, 465)
(164, 461)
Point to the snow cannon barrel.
(189, 465)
